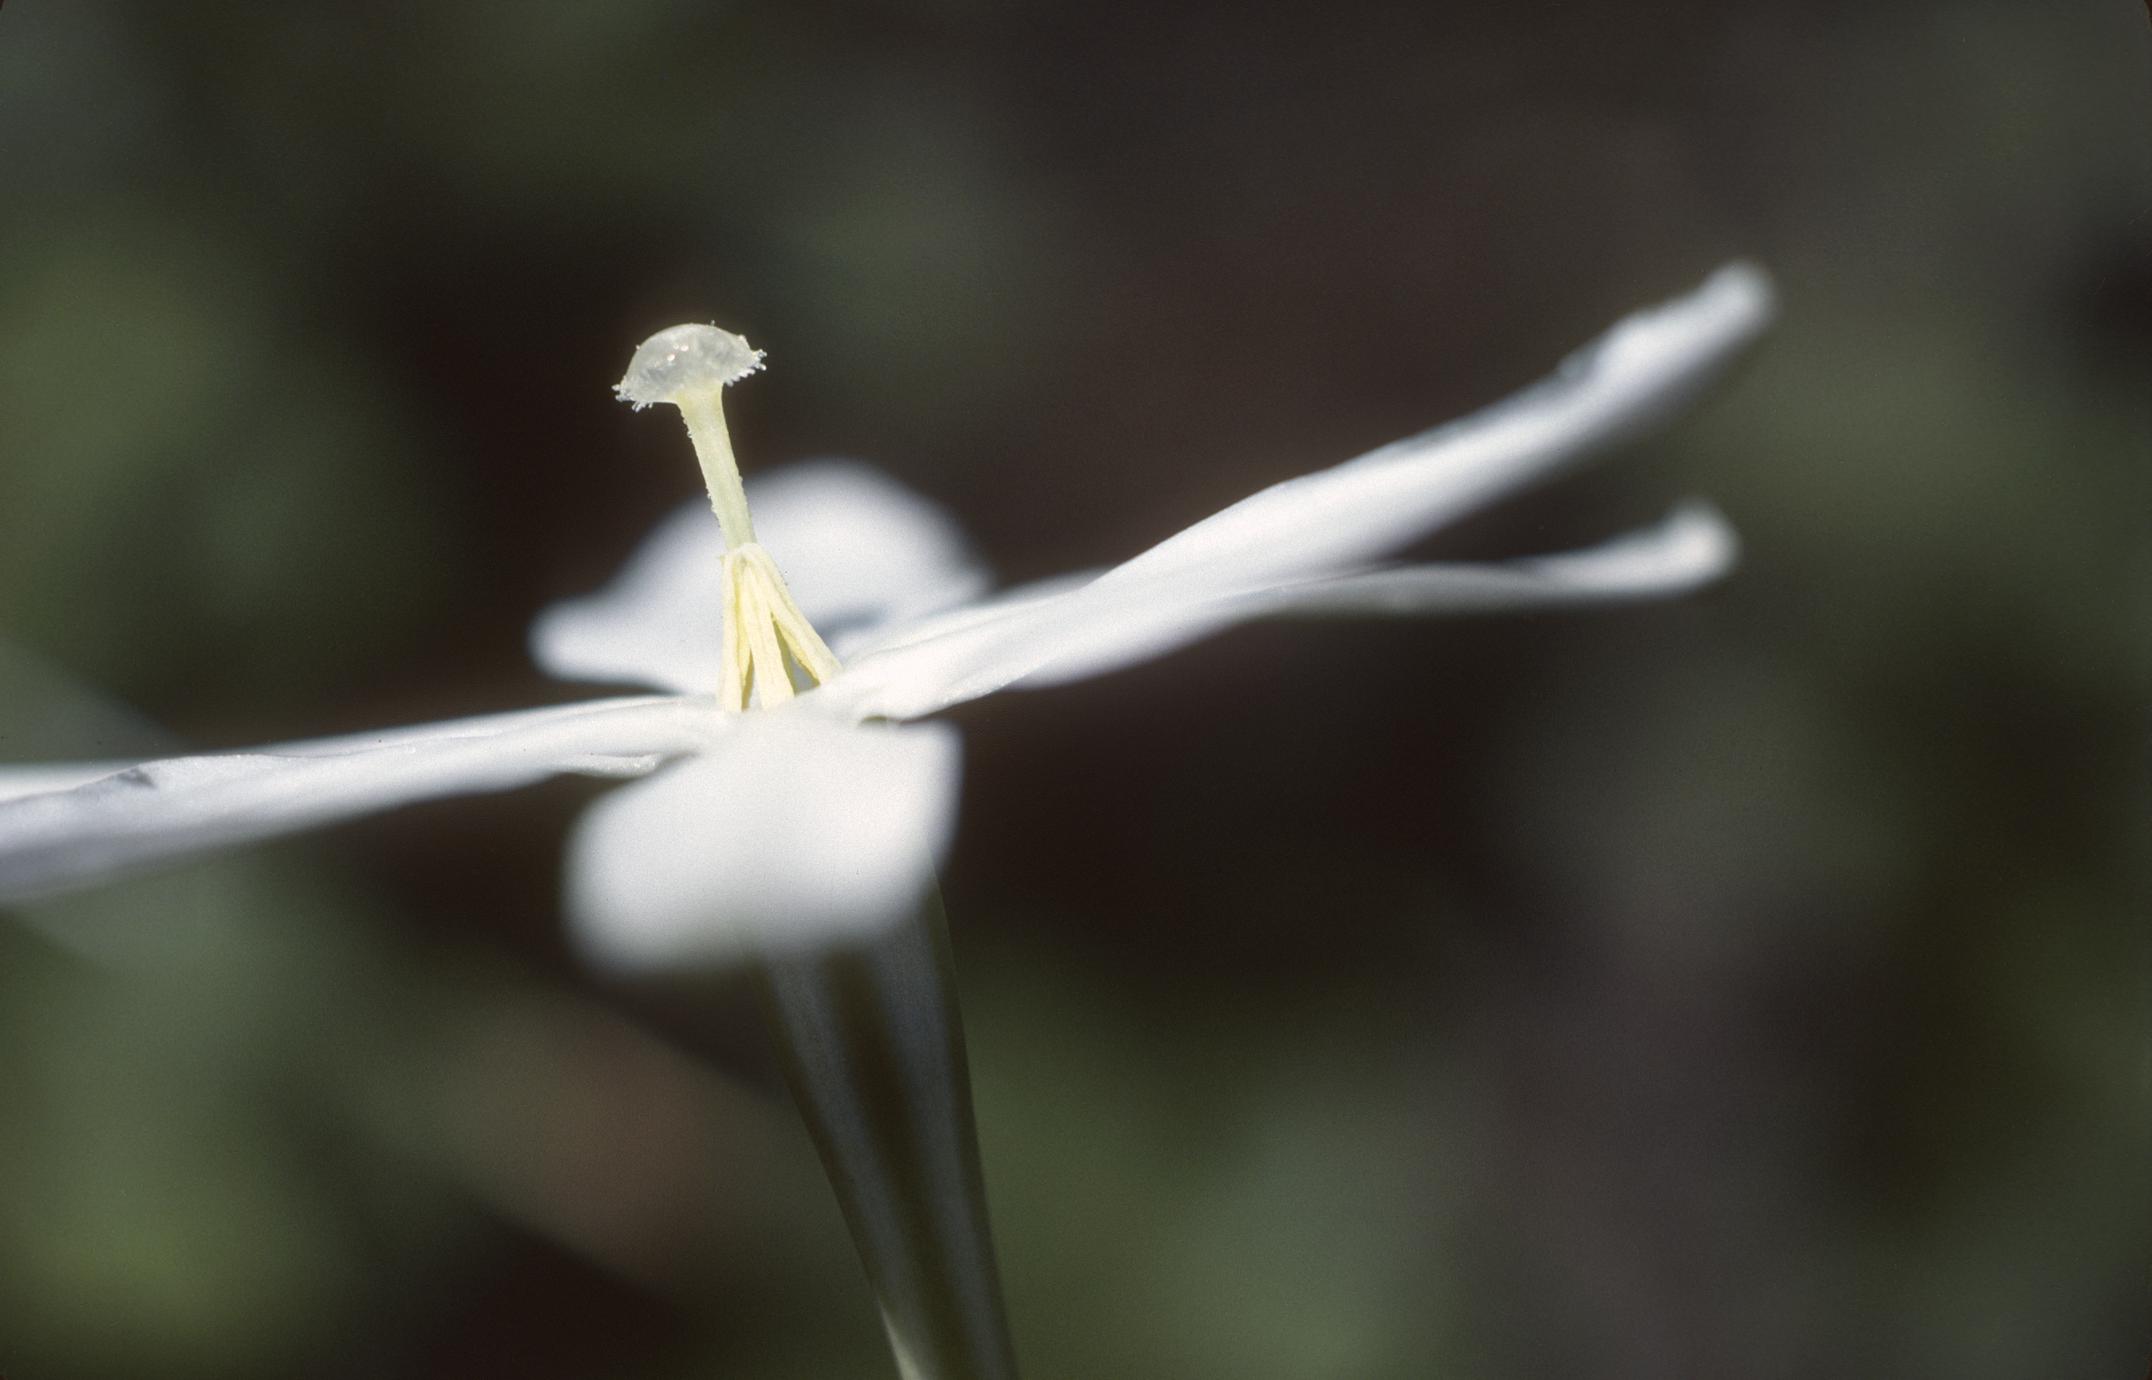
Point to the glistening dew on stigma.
(769, 646)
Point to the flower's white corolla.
(808, 818)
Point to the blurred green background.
(1751, 987)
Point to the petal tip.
(1698, 541)
(1741, 290)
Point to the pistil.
(704, 413)
(766, 636)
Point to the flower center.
(770, 650)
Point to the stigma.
(770, 652)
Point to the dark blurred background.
(1755, 986)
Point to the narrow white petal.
(1324, 524)
(796, 832)
(1691, 548)
(470, 726)
(1645, 368)
(16, 782)
(857, 548)
(26, 778)
(166, 809)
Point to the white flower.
(824, 812)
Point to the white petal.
(471, 726)
(797, 831)
(857, 548)
(1326, 524)
(1635, 375)
(16, 782)
(1692, 547)
(165, 809)
(20, 779)
(656, 624)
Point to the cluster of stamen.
(770, 647)
(770, 651)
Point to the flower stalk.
(872, 1045)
